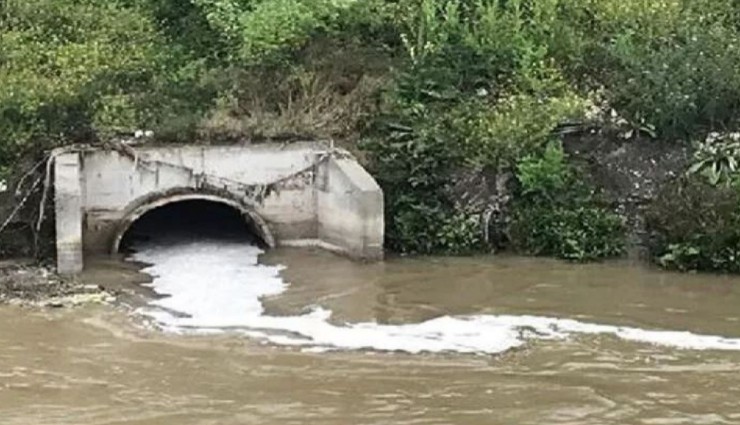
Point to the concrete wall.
(68, 204)
(350, 209)
(114, 184)
(301, 194)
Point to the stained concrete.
(300, 194)
(68, 201)
(348, 199)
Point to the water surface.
(155, 365)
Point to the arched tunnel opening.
(191, 220)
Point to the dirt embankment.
(629, 173)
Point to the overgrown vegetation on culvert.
(456, 106)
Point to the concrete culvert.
(300, 194)
(189, 220)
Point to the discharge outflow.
(217, 286)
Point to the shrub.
(499, 135)
(558, 214)
(476, 92)
(716, 159)
(75, 71)
(497, 78)
(669, 65)
(262, 31)
(695, 225)
(413, 166)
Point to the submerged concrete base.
(302, 194)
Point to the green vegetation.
(83, 70)
(695, 222)
(421, 88)
(558, 214)
(697, 227)
(487, 84)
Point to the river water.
(304, 337)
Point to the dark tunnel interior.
(189, 221)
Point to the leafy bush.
(476, 92)
(496, 78)
(668, 65)
(260, 31)
(413, 167)
(716, 159)
(75, 71)
(498, 135)
(81, 71)
(695, 222)
(558, 214)
(696, 226)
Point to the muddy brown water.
(99, 365)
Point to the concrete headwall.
(300, 194)
(350, 209)
(115, 184)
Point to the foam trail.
(215, 286)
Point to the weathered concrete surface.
(348, 203)
(69, 215)
(297, 194)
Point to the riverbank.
(23, 282)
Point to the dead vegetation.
(330, 94)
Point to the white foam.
(216, 286)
